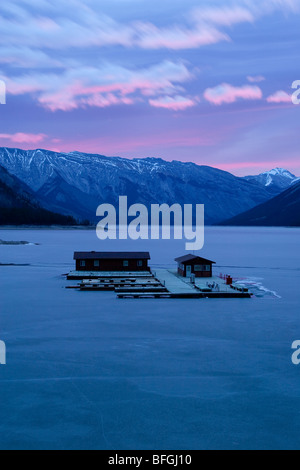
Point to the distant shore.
(13, 243)
(45, 227)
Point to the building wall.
(112, 265)
(182, 269)
(204, 274)
(181, 272)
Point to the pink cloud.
(177, 103)
(226, 93)
(109, 99)
(203, 30)
(151, 37)
(107, 85)
(22, 138)
(72, 24)
(280, 97)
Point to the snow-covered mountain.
(76, 183)
(276, 178)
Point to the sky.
(207, 81)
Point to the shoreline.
(45, 227)
(94, 227)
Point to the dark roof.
(186, 258)
(111, 255)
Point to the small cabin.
(112, 261)
(191, 264)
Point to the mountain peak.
(279, 178)
(280, 172)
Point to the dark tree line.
(19, 208)
(33, 216)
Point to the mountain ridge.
(280, 211)
(76, 183)
(19, 206)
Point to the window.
(82, 264)
(202, 267)
(96, 263)
(125, 264)
(140, 263)
(198, 268)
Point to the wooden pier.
(121, 286)
(161, 284)
(141, 290)
(81, 275)
(192, 295)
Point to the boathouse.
(112, 261)
(191, 264)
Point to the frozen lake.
(88, 371)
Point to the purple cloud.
(23, 138)
(226, 93)
(151, 37)
(280, 97)
(73, 24)
(176, 103)
(103, 86)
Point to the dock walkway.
(173, 283)
(181, 288)
(80, 275)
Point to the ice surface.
(86, 370)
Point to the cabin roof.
(186, 258)
(111, 255)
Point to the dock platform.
(158, 284)
(192, 295)
(80, 275)
(181, 288)
(174, 283)
(119, 286)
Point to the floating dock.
(159, 284)
(117, 284)
(104, 275)
(193, 295)
(178, 287)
